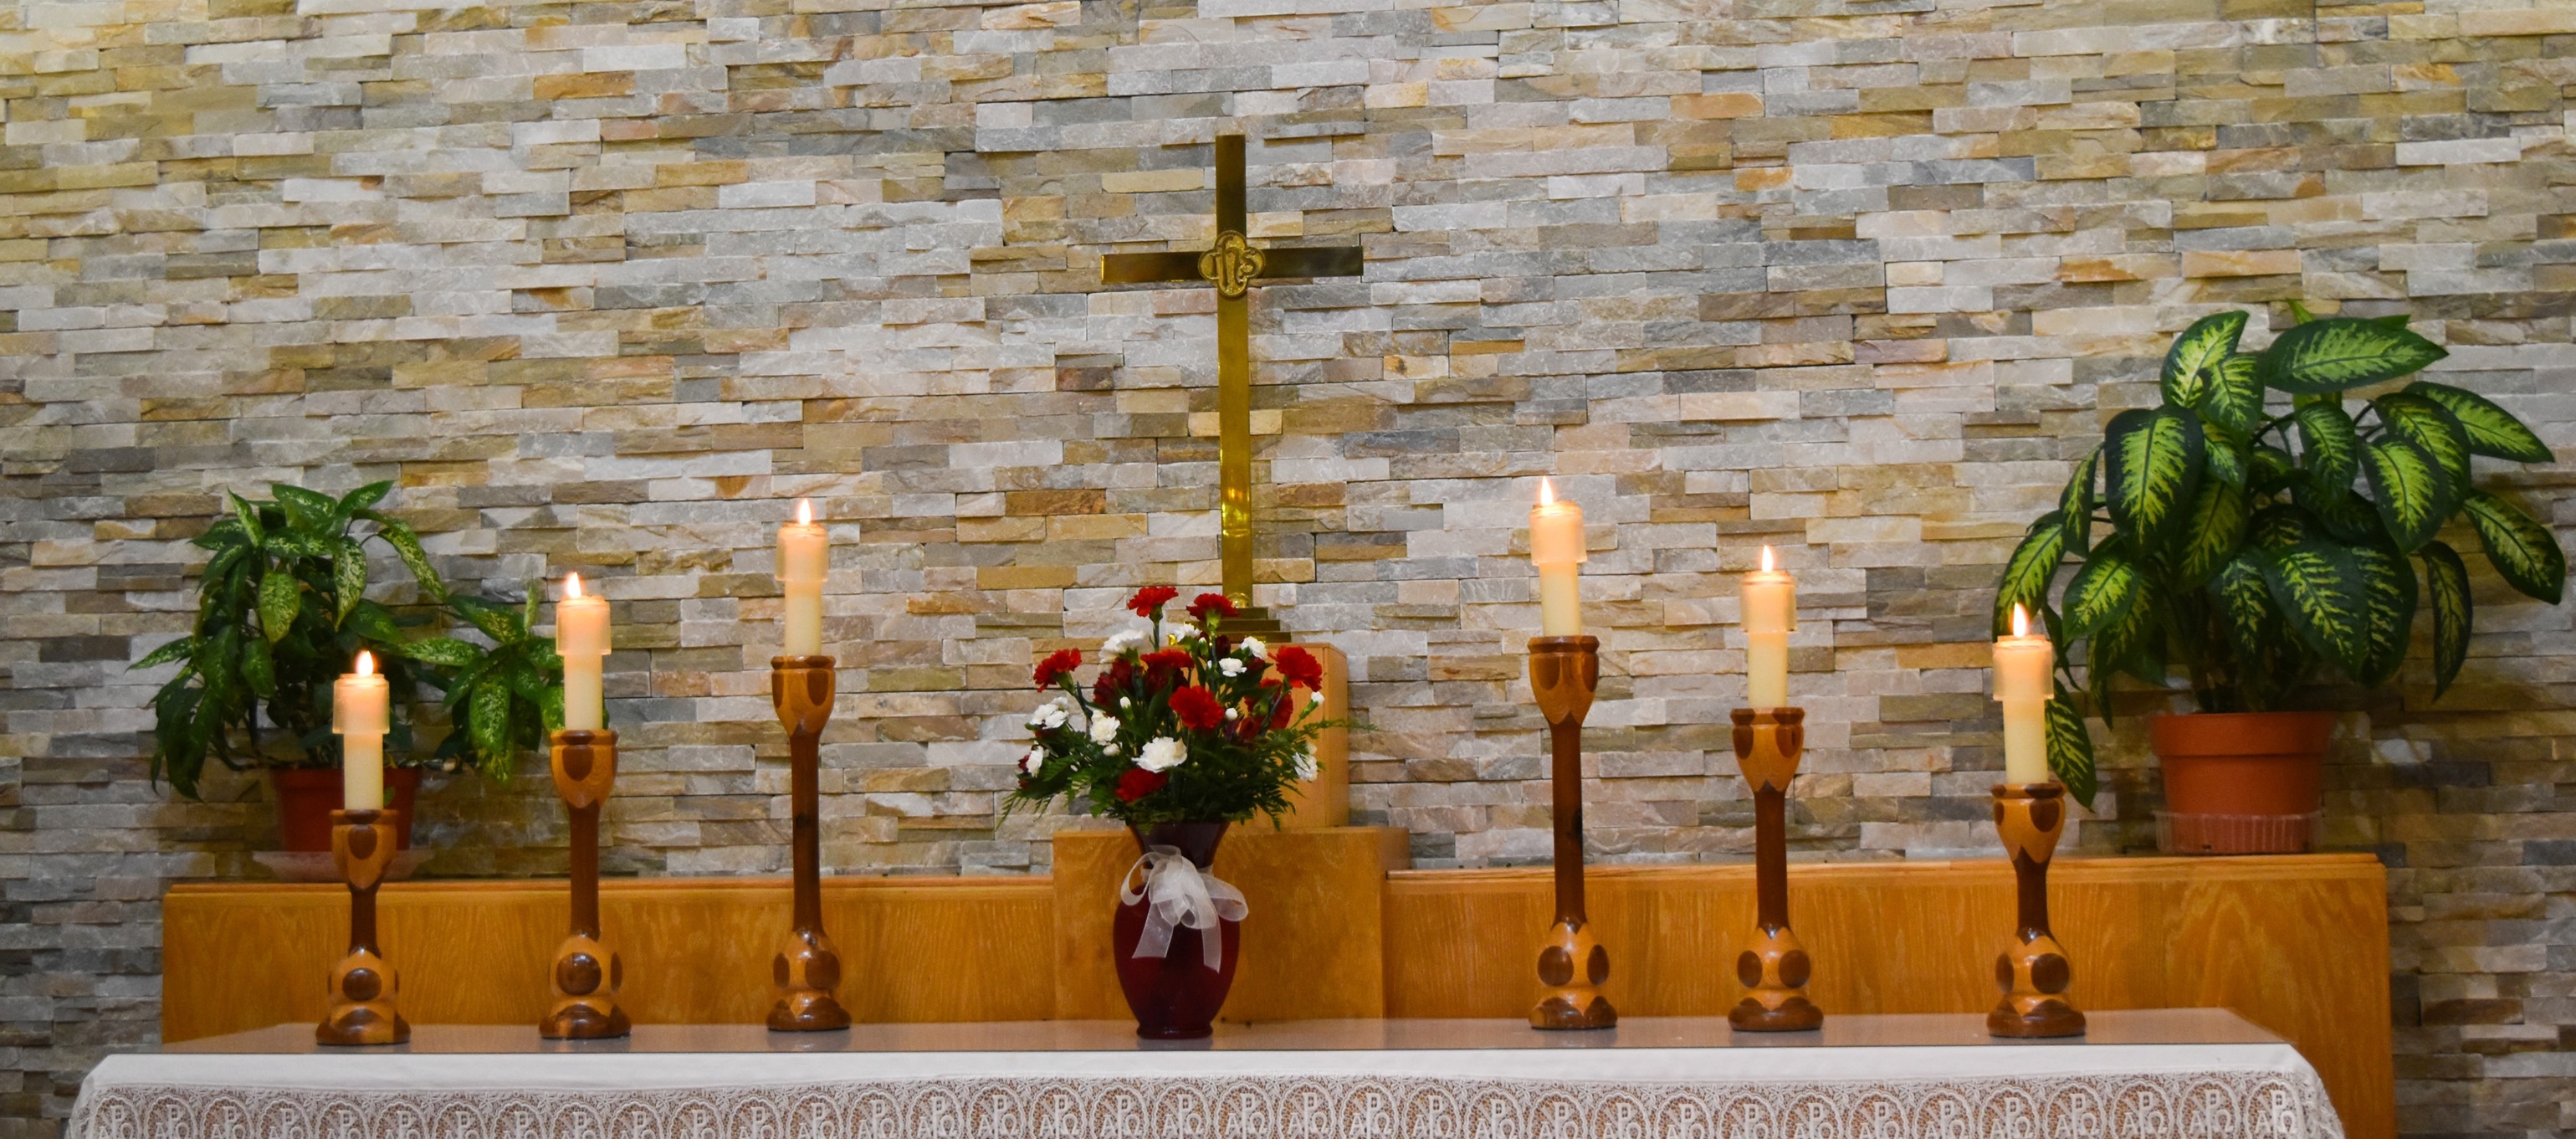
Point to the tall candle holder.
(2033, 970)
(808, 969)
(363, 984)
(1564, 672)
(587, 972)
(1768, 744)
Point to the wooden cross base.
(1564, 672)
(1768, 744)
(587, 972)
(363, 984)
(807, 970)
(2032, 971)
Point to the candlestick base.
(363, 984)
(587, 971)
(2032, 971)
(1768, 745)
(1572, 965)
(807, 970)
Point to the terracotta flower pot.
(306, 796)
(1175, 996)
(2241, 782)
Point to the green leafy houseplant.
(2241, 548)
(281, 611)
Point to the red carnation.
(1299, 666)
(1173, 660)
(1149, 600)
(1113, 679)
(1207, 603)
(1197, 708)
(1281, 710)
(1138, 783)
(1057, 666)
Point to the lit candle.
(581, 639)
(360, 712)
(803, 557)
(1556, 547)
(1770, 607)
(2022, 664)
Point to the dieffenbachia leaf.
(2329, 444)
(2388, 593)
(259, 668)
(2225, 451)
(407, 547)
(2245, 605)
(277, 604)
(2491, 429)
(2318, 588)
(2235, 396)
(2428, 425)
(2070, 747)
(447, 652)
(2152, 468)
(248, 516)
(2339, 352)
(2216, 526)
(2346, 515)
(363, 498)
(2104, 589)
(2196, 355)
(2408, 487)
(2075, 504)
(307, 512)
(2277, 528)
(2133, 642)
(2448, 578)
(2523, 551)
(2029, 571)
(348, 578)
(2271, 468)
(180, 649)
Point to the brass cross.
(1233, 265)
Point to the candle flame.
(366, 663)
(1546, 493)
(1766, 559)
(2021, 621)
(572, 586)
(804, 512)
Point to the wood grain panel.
(2298, 945)
(1312, 946)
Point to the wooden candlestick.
(363, 984)
(1564, 671)
(2032, 971)
(587, 972)
(808, 969)
(1768, 742)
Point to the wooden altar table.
(2191, 1073)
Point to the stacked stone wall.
(603, 285)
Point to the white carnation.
(1104, 729)
(1233, 714)
(1029, 763)
(1121, 642)
(1187, 633)
(1307, 768)
(1163, 753)
(1109, 749)
(1051, 714)
(1252, 647)
(1319, 697)
(1230, 667)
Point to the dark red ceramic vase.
(1175, 996)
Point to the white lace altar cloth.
(2219, 1091)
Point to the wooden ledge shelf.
(1341, 929)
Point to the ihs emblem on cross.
(1233, 265)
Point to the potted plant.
(502, 700)
(281, 611)
(1178, 738)
(2249, 545)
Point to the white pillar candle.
(1769, 600)
(804, 556)
(361, 711)
(581, 639)
(2022, 665)
(1556, 548)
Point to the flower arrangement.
(1196, 727)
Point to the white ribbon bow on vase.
(1179, 896)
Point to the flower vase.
(1175, 996)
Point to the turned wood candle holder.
(2032, 971)
(586, 972)
(807, 970)
(1768, 743)
(1564, 671)
(363, 984)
